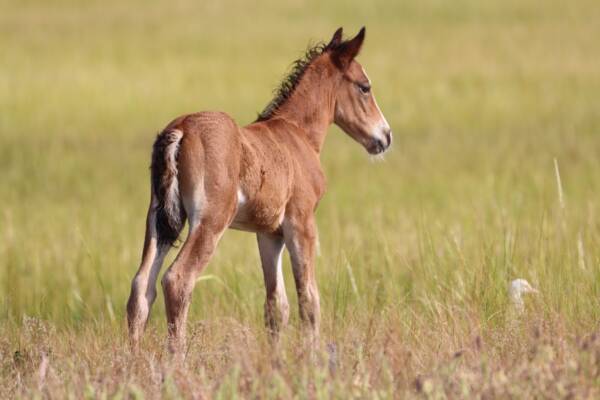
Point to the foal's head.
(356, 110)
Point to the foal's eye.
(364, 89)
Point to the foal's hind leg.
(143, 286)
(277, 309)
(179, 280)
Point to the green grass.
(482, 98)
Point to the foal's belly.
(258, 214)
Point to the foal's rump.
(195, 158)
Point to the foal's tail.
(170, 214)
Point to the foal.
(264, 178)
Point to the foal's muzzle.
(379, 145)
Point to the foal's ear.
(346, 51)
(336, 39)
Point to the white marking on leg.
(145, 280)
(281, 295)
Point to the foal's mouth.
(377, 146)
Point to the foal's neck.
(311, 105)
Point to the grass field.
(494, 175)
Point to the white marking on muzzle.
(381, 126)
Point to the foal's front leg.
(301, 241)
(277, 309)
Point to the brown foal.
(264, 178)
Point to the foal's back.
(254, 170)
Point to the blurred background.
(490, 103)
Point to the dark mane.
(290, 82)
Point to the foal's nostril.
(388, 137)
